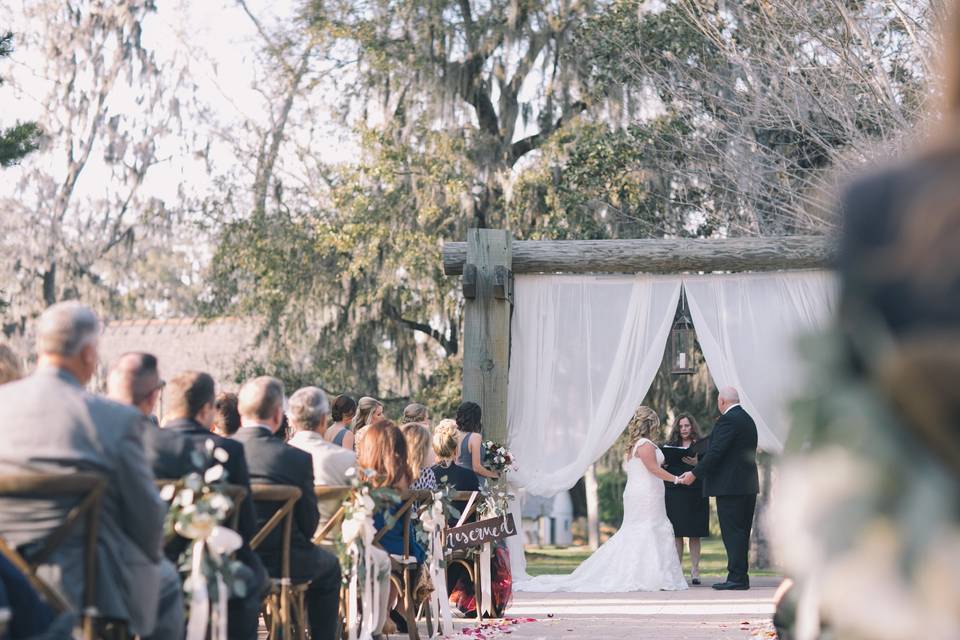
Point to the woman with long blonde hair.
(641, 556)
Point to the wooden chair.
(469, 560)
(285, 612)
(325, 536)
(404, 568)
(88, 489)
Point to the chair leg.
(301, 615)
(408, 604)
(286, 618)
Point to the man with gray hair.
(307, 412)
(84, 432)
(273, 461)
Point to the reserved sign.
(476, 533)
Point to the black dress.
(687, 508)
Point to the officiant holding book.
(687, 508)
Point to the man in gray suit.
(52, 425)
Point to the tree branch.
(449, 345)
(525, 145)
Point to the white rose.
(213, 474)
(199, 526)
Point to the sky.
(220, 44)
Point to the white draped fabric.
(585, 349)
(747, 325)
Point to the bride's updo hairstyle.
(645, 423)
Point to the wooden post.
(486, 337)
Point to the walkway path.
(697, 614)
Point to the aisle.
(697, 614)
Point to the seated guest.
(188, 413)
(369, 410)
(445, 471)
(307, 411)
(419, 456)
(134, 380)
(343, 409)
(272, 461)
(226, 422)
(384, 451)
(11, 368)
(469, 442)
(416, 413)
(85, 432)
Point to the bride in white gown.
(641, 556)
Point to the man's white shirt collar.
(730, 407)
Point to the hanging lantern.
(682, 338)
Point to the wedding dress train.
(641, 556)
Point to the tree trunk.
(593, 508)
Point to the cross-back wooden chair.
(470, 561)
(326, 534)
(285, 612)
(88, 489)
(237, 494)
(404, 567)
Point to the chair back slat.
(288, 496)
(408, 499)
(330, 492)
(464, 496)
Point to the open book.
(674, 455)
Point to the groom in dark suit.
(729, 472)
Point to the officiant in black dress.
(687, 508)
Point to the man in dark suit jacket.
(174, 451)
(729, 472)
(272, 461)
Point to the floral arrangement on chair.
(433, 520)
(198, 508)
(355, 547)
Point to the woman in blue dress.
(384, 451)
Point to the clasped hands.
(687, 478)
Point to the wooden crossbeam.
(676, 255)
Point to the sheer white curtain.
(584, 351)
(747, 325)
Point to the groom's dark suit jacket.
(729, 467)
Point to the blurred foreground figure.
(868, 517)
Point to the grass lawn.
(713, 560)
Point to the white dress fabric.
(641, 556)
